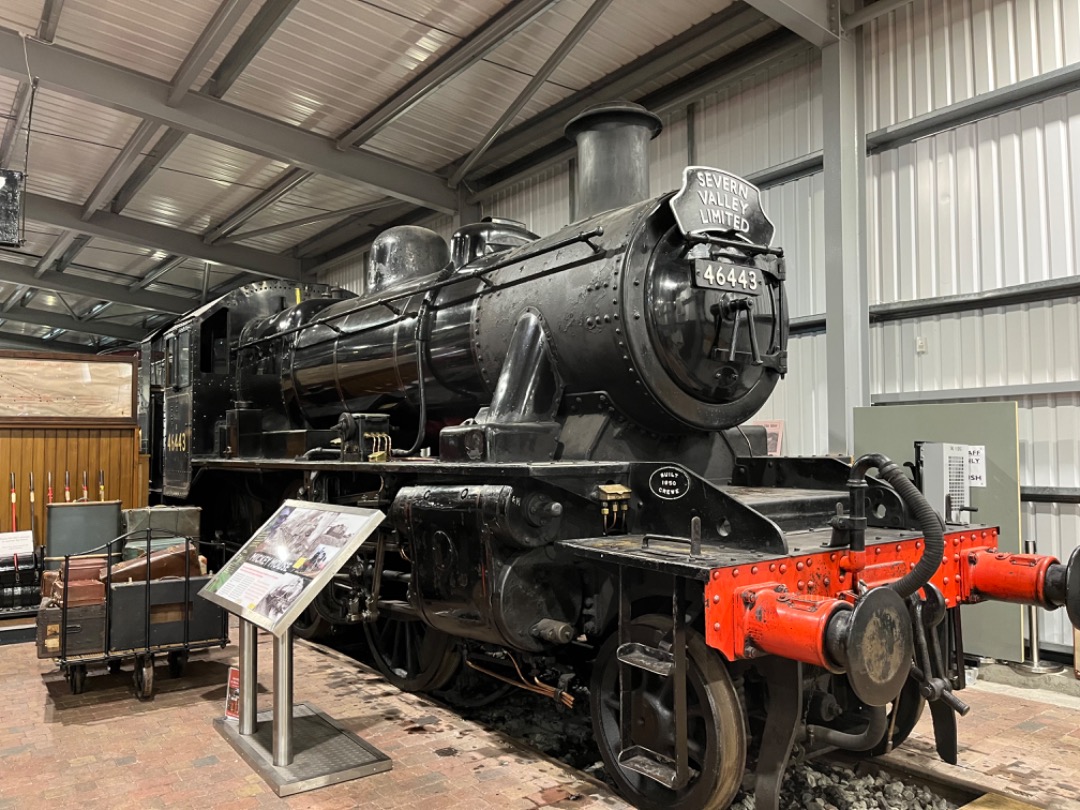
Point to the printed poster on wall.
(292, 557)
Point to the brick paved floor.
(105, 749)
(1023, 742)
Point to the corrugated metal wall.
(347, 273)
(541, 201)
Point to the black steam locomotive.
(554, 427)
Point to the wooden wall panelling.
(51, 448)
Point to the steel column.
(249, 677)
(846, 306)
(813, 20)
(283, 699)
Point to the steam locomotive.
(555, 428)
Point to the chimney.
(613, 155)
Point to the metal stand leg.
(249, 677)
(283, 699)
(1034, 665)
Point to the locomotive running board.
(667, 555)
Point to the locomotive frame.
(585, 524)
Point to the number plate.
(731, 278)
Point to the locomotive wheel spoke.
(410, 654)
(715, 726)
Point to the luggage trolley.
(140, 618)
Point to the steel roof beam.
(591, 15)
(56, 321)
(55, 251)
(133, 93)
(733, 67)
(121, 167)
(66, 283)
(363, 208)
(813, 20)
(39, 345)
(489, 36)
(253, 37)
(626, 81)
(156, 272)
(286, 182)
(227, 15)
(346, 231)
(71, 252)
(20, 109)
(171, 240)
(50, 19)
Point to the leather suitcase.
(168, 562)
(82, 568)
(84, 592)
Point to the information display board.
(293, 556)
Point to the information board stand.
(268, 584)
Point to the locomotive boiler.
(555, 430)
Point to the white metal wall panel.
(443, 225)
(987, 205)
(800, 398)
(542, 201)
(932, 53)
(1017, 345)
(668, 154)
(797, 209)
(763, 120)
(347, 273)
(1054, 527)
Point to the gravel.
(819, 786)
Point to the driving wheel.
(715, 728)
(413, 656)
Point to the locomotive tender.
(554, 429)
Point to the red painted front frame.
(782, 606)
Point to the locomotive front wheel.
(716, 733)
(413, 656)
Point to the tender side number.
(177, 442)
(733, 278)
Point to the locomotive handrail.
(435, 286)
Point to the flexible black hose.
(864, 740)
(933, 527)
